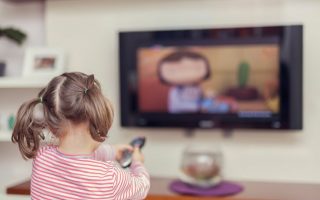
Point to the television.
(237, 77)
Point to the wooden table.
(252, 191)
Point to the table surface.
(252, 191)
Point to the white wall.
(88, 31)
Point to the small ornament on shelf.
(11, 121)
(7, 122)
(15, 35)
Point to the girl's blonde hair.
(74, 97)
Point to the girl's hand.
(120, 148)
(137, 155)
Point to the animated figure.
(212, 104)
(184, 71)
(271, 95)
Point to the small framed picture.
(43, 62)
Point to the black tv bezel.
(290, 117)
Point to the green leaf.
(13, 34)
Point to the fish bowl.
(201, 166)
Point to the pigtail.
(99, 110)
(27, 130)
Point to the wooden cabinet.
(252, 191)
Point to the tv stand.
(253, 190)
(227, 133)
(189, 132)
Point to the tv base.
(227, 133)
(189, 132)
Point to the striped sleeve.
(133, 183)
(104, 153)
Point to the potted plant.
(15, 35)
(243, 91)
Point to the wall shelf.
(22, 82)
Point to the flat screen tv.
(244, 77)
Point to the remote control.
(126, 158)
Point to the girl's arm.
(106, 152)
(133, 183)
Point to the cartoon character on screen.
(184, 71)
(271, 95)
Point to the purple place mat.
(223, 189)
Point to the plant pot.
(2, 68)
(243, 93)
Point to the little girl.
(79, 167)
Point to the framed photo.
(43, 62)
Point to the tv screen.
(249, 77)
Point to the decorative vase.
(201, 166)
(11, 122)
(2, 68)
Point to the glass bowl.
(201, 166)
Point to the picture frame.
(43, 62)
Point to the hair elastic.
(85, 90)
(40, 99)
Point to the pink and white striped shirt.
(56, 175)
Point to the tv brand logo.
(206, 124)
